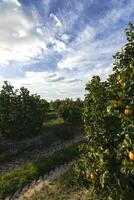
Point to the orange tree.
(106, 164)
(21, 114)
(71, 111)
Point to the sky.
(54, 47)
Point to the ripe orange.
(118, 77)
(121, 81)
(119, 102)
(128, 111)
(131, 155)
(93, 176)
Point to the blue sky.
(53, 47)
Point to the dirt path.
(47, 180)
(45, 183)
(36, 154)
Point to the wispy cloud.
(22, 38)
(117, 13)
(59, 45)
(56, 20)
(86, 52)
(15, 2)
(70, 14)
(43, 77)
(19, 40)
(73, 80)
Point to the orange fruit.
(128, 111)
(93, 176)
(131, 155)
(118, 77)
(121, 81)
(119, 102)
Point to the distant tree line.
(70, 110)
(22, 114)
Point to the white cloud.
(86, 35)
(85, 52)
(70, 62)
(65, 37)
(46, 2)
(50, 85)
(102, 71)
(73, 80)
(23, 37)
(39, 31)
(81, 54)
(14, 2)
(56, 20)
(57, 79)
(59, 46)
(43, 77)
(18, 40)
(117, 13)
(70, 14)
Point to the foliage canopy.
(109, 128)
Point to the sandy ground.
(45, 183)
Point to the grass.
(16, 179)
(61, 130)
(53, 122)
(51, 115)
(53, 130)
(61, 189)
